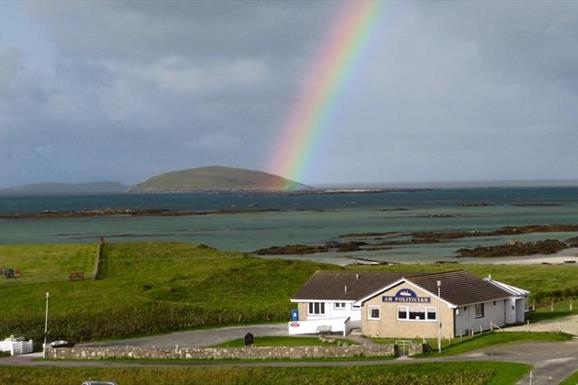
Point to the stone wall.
(279, 352)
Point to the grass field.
(46, 263)
(146, 288)
(155, 287)
(471, 373)
(283, 341)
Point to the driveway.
(198, 338)
(567, 324)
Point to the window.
(417, 314)
(339, 305)
(479, 310)
(316, 308)
(373, 312)
(402, 312)
(431, 313)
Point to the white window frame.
(407, 310)
(311, 309)
(435, 311)
(340, 305)
(373, 307)
(406, 313)
(481, 314)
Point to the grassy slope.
(157, 287)
(487, 373)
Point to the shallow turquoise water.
(318, 219)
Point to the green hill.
(216, 178)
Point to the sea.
(265, 220)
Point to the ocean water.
(308, 219)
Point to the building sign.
(405, 296)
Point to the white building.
(385, 304)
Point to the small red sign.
(294, 324)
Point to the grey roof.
(331, 285)
(457, 287)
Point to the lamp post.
(439, 317)
(45, 326)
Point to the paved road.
(198, 338)
(552, 361)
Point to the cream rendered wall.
(390, 326)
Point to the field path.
(552, 361)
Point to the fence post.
(552, 305)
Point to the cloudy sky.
(442, 91)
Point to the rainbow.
(311, 114)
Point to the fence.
(16, 348)
(98, 259)
(325, 325)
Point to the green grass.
(466, 344)
(46, 263)
(156, 287)
(149, 288)
(474, 373)
(283, 341)
(571, 380)
(496, 338)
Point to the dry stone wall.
(280, 352)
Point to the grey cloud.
(442, 91)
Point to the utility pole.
(439, 316)
(45, 327)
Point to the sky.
(441, 91)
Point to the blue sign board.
(294, 315)
(405, 296)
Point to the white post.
(571, 304)
(439, 317)
(45, 327)
(531, 375)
